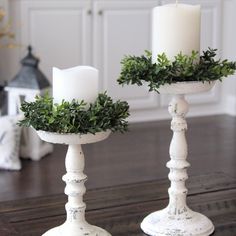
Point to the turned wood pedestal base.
(75, 224)
(188, 223)
(81, 229)
(177, 219)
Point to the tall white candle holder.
(75, 224)
(177, 218)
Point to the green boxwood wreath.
(73, 117)
(137, 70)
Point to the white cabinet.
(66, 33)
(100, 33)
(59, 31)
(122, 28)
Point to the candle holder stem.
(178, 108)
(75, 189)
(75, 224)
(177, 218)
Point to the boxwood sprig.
(140, 69)
(76, 117)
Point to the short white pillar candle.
(176, 28)
(79, 83)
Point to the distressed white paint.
(75, 224)
(177, 218)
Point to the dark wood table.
(120, 209)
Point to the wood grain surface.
(120, 209)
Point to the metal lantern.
(28, 83)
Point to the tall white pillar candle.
(176, 28)
(79, 83)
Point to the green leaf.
(137, 70)
(102, 115)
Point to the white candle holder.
(75, 224)
(177, 218)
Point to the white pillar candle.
(176, 28)
(79, 83)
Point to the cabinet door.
(59, 31)
(211, 21)
(122, 28)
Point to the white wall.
(229, 51)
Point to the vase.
(75, 224)
(177, 219)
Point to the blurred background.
(66, 33)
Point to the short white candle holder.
(75, 224)
(177, 218)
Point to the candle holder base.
(76, 230)
(162, 223)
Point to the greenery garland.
(102, 115)
(137, 70)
